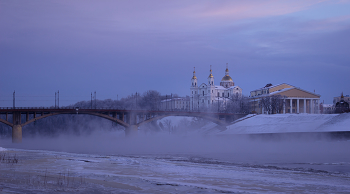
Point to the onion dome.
(194, 74)
(226, 77)
(211, 74)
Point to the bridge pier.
(16, 134)
(131, 130)
(16, 128)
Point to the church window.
(195, 84)
(223, 95)
(203, 93)
(208, 102)
(212, 83)
(218, 94)
(195, 92)
(228, 94)
(212, 91)
(212, 101)
(192, 92)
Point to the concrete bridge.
(130, 119)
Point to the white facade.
(327, 108)
(207, 94)
(175, 104)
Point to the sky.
(117, 48)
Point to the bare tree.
(277, 103)
(272, 104)
(237, 104)
(265, 104)
(167, 124)
(150, 100)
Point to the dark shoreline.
(331, 135)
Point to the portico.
(294, 100)
(301, 105)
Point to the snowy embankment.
(277, 123)
(2, 149)
(286, 123)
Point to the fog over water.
(318, 152)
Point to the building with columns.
(205, 96)
(295, 100)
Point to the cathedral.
(205, 96)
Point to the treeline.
(86, 124)
(149, 100)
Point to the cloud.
(110, 40)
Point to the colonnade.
(301, 105)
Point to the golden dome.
(226, 78)
(194, 73)
(211, 73)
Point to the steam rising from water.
(238, 149)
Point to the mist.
(256, 149)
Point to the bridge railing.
(110, 108)
(48, 108)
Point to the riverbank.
(290, 123)
(61, 172)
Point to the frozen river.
(166, 164)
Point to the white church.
(208, 95)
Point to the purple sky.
(123, 47)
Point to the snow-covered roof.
(233, 87)
(223, 88)
(271, 87)
(170, 99)
(203, 85)
(282, 90)
(327, 105)
(220, 87)
(286, 89)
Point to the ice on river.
(250, 167)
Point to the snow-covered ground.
(277, 123)
(174, 120)
(286, 123)
(62, 172)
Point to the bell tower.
(194, 91)
(211, 78)
(194, 78)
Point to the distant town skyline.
(117, 48)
